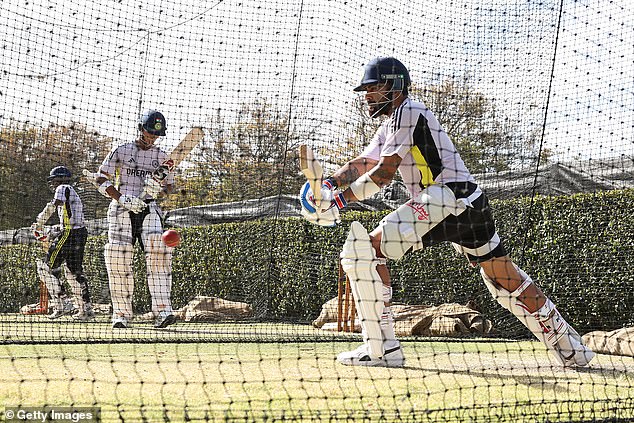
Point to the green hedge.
(578, 248)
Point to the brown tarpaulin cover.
(616, 342)
(206, 309)
(443, 320)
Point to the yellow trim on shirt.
(426, 177)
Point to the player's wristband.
(340, 201)
(329, 183)
(364, 187)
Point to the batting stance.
(446, 205)
(132, 219)
(66, 246)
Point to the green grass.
(275, 381)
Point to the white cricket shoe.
(119, 323)
(572, 350)
(85, 313)
(580, 358)
(67, 307)
(164, 319)
(393, 357)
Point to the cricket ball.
(171, 238)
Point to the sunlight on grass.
(459, 380)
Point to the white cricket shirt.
(428, 155)
(132, 165)
(71, 212)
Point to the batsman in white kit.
(446, 205)
(133, 215)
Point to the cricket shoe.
(85, 313)
(66, 308)
(119, 323)
(393, 357)
(572, 351)
(164, 319)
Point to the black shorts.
(472, 228)
(68, 247)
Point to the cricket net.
(536, 96)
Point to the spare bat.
(312, 170)
(178, 154)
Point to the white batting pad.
(553, 331)
(359, 262)
(121, 278)
(53, 285)
(75, 287)
(159, 273)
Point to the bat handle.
(317, 192)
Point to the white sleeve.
(373, 150)
(109, 164)
(399, 138)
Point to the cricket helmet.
(58, 175)
(385, 69)
(153, 122)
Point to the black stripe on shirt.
(427, 147)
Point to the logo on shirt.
(138, 172)
(131, 160)
(419, 210)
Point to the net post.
(341, 279)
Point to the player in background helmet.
(133, 219)
(151, 126)
(66, 247)
(446, 205)
(58, 175)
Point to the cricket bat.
(178, 154)
(312, 170)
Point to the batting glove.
(329, 217)
(152, 187)
(133, 204)
(38, 232)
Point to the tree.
(486, 139)
(249, 158)
(28, 153)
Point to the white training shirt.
(428, 155)
(132, 165)
(71, 212)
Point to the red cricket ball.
(171, 238)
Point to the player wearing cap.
(446, 205)
(123, 176)
(66, 246)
